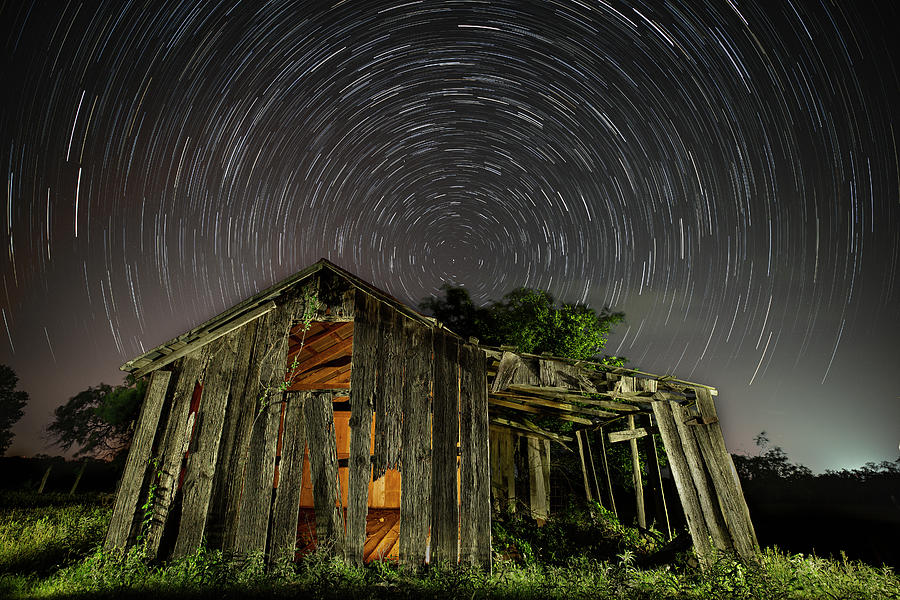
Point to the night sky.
(724, 172)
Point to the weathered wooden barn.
(323, 412)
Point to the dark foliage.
(11, 404)
(529, 320)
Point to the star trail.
(724, 172)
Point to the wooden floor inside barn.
(382, 534)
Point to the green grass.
(51, 550)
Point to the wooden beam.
(587, 442)
(290, 476)
(137, 464)
(627, 434)
(239, 414)
(587, 486)
(319, 421)
(362, 407)
(534, 430)
(612, 497)
(388, 391)
(415, 449)
(173, 447)
(206, 338)
(636, 478)
(445, 432)
(475, 498)
(201, 463)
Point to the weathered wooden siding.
(178, 430)
(475, 499)
(445, 434)
(362, 405)
(290, 477)
(388, 392)
(415, 499)
(323, 468)
(137, 465)
(204, 448)
(240, 413)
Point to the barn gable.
(297, 410)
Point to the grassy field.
(49, 548)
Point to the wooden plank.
(266, 383)
(256, 500)
(656, 483)
(533, 429)
(584, 474)
(204, 449)
(538, 492)
(324, 472)
(505, 483)
(609, 487)
(474, 459)
(506, 372)
(290, 477)
(415, 497)
(336, 298)
(705, 491)
(445, 433)
(725, 480)
(388, 392)
(173, 448)
(239, 415)
(684, 483)
(206, 338)
(560, 406)
(636, 478)
(587, 442)
(125, 509)
(362, 405)
(627, 434)
(467, 456)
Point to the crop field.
(50, 547)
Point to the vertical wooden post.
(362, 405)
(656, 482)
(636, 478)
(612, 497)
(474, 512)
(705, 490)
(415, 486)
(319, 418)
(539, 494)
(445, 433)
(239, 414)
(587, 442)
(290, 477)
(78, 477)
(587, 486)
(44, 479)
(388, 391)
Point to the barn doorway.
(319, 358)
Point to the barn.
(324, 413)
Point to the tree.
(529, 320)
(11, 404)
(99, 419)
(773, 463)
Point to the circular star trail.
(724, 172)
